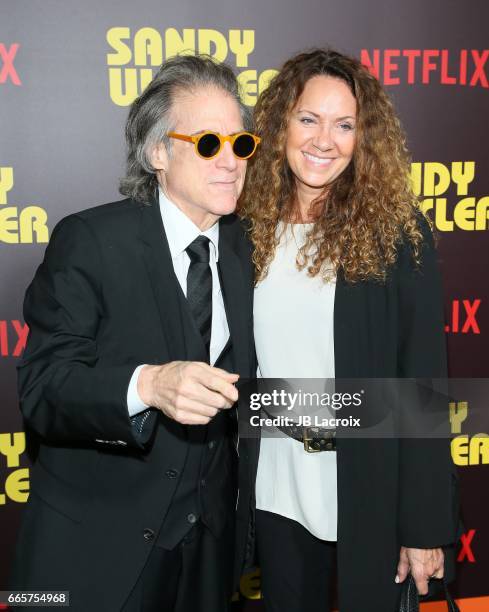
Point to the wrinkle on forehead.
(182, 96)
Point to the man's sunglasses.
(209, 144)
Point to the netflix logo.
(466, 553)
(462, 318)
(8, 73)
(13, 338)
(466, 67)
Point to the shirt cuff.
(135, 404)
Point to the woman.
(346, 286)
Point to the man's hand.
(423, 563)
(189, 392)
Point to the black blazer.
(390, 492)
(104, 300)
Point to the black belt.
(315, 439)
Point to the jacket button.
(211, 444)
(191, 518)
(148, 534)
(171, 473)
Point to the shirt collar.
(181, 231)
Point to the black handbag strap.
(410, 597)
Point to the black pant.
(195, 576)
(297, 569)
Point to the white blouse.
(293, 316)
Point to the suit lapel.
(184, 340)
(350, 328)
(166, 288)
(236, 295)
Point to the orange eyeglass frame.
(222, 140)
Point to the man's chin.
(225, 206)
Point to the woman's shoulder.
(412, 253)
(416, 260)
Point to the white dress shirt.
(181, 232)
(293, 320)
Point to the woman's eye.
(306, 120)
(346, 126)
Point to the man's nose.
(226, 158)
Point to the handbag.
(410, 597)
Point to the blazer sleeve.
(66, 394)
(428, 509)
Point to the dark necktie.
(199, 288)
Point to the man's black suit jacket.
(104, 300)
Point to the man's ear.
(159, 157)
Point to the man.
(140, 323)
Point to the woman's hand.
(423, 563)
